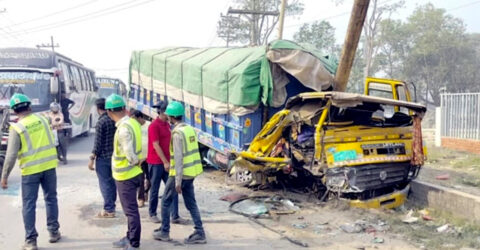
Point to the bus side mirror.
(53, 85)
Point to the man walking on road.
(158, 159)
(143, 189)
(186, 164)
(102, 159)
(32, 141)
(127, 155)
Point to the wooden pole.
(282, 19)
(355, 26)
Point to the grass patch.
(444, 158)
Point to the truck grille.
(372, 176)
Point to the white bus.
(107, 86)
(46, 77)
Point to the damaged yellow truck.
(364, 148)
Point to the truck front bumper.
(387, 201)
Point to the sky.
(101, 34)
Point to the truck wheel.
(237, 174)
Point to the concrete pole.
(281, 19)
(355, 26)
(438, 126)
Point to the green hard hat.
(19, 100)
(114, 101)
(175, 109)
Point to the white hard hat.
(55, 107)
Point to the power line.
(331, 17)
(464, 5)
(74, 19)
(96, 14)
(52, 14)
(8, 35)
(348, 12)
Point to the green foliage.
(321, 34)
(431, 49)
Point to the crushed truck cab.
(347, 141)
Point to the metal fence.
(460, 115)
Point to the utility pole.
(282, 19)
(355, 26)
(252, 16)
(50, 45)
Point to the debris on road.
(349, 228)
(259, 205)
(232, 197)
(427, 217)
(364, 226)
(409, 218)
(253, 207)
(378, 240)
(443, 228)
(294, 241)
(443, 177)
(300, 225)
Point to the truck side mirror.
(53, 85)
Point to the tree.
(321, 34)
(437, 45)
(392, 47)
(370, 29)
(257, 27)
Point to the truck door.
(388, 88)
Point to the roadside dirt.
(453, 169)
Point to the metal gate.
(460, 115)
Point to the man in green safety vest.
(127, 155)
(32, 141)
(185, 165)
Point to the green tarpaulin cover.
(223, 80)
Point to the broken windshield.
(35, 85)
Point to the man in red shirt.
(158, 159)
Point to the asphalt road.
(80, 200)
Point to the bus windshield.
(35, 85)
(105, 92)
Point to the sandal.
(105, 214)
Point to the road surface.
(79, 200)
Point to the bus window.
(67, 76)
(91, 80)
(76, 78)
(84, 80)
(87, 76)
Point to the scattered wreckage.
(363, 148)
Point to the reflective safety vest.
(192, 162)
(38, 152)
(121, 168)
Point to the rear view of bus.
(46, 77)
(107, 86)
